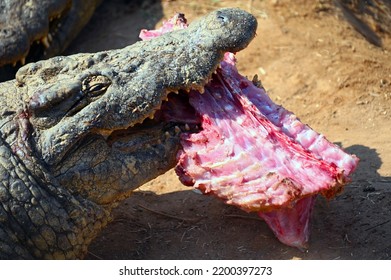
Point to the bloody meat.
(256, 155)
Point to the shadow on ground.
(186, 225)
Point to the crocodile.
(32, 29)
(79, 133)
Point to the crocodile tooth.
(23, 60)
(50, 38)
(187, 127)
(167, 134)
(45, 42)
(201, 90)
(177, 129)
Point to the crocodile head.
(90, 115)
(33, 29)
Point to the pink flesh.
(256, 155)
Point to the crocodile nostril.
(222, 18)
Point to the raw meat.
(256, 155)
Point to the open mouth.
(39, 35)
(38, 48)
(175, 116)
(254, 154)
(29, 30)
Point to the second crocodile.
(31, 30)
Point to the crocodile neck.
(38, 217)
(44, 217)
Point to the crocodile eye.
(95, 85)
(94, 89)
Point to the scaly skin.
(55, 23)
(75, 139)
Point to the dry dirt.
(313, 63)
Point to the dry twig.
(190, 220)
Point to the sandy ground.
(313, 63)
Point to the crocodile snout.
(232, 29)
